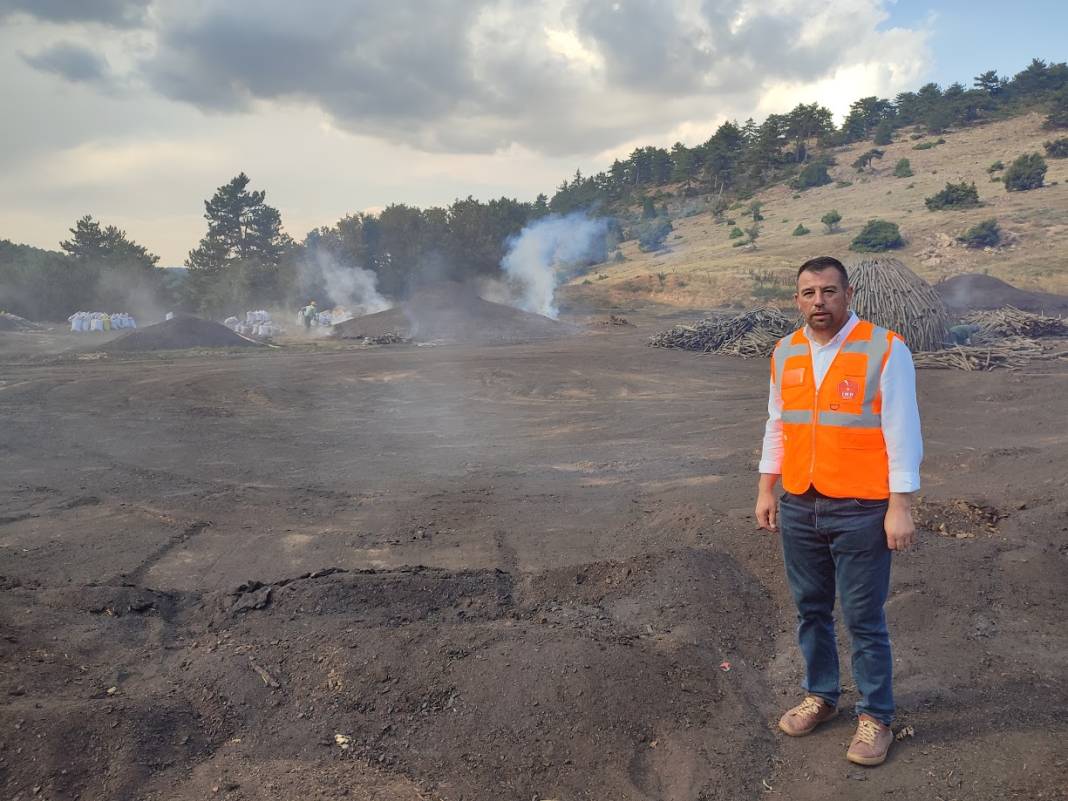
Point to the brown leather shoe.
(806, 716)
(870, 743)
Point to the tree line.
(246, 259)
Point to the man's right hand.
(767, 508)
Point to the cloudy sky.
(134, 111)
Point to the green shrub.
(903, 169)
(831, 220)
(814, 174)
(754, 210)
(884, 133)
(995, 179)
(736, 232)
(739, 243)
(997, 165)
(795, 196)
(864, 160)
(801, 230)
(731, 222)
(843, 184)
(1058, 110)
(929, 145)
(648, 208)
(1058, 148)
(877, 236)
(1027, 172)
(954, 196)
(653, 234)
(982, 235)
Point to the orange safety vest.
(833, 437)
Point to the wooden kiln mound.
(974, 292)
(179, 333)
(889, 294)
(453, 313)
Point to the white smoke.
(549, 251)
(352, 288)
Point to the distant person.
(309, 313)
(843, 432)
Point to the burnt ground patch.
(495, 572)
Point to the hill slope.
(701, 268)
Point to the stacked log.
(1009, 321)
(889, 294)
(1011, 352)
(749, 334)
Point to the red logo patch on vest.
(847, 390)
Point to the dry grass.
(702, 268)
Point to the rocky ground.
(473, 572)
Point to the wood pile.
(1012, 352)
(615, 319)
(389, 338)
(1009, 321)
(749, 334)
(889, 294)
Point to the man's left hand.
(900, 530)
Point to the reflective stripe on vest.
(874, 348)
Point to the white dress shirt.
(900, 414)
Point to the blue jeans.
(839, 544)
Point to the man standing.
(843, 431)
(309, 312)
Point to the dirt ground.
(515, 572)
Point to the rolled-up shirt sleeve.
(900, 419)
(771, 454)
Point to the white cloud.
(333, 110)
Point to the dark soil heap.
(972, 291)
(452, 312)
(12, 322)
(181, 332)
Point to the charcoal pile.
(1009, 321)
(889, 294)
(178, 333)
(12, 322)
(749, 334)
(973, 291)
(452, 312)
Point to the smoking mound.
(452, 312)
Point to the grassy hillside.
(700, 268)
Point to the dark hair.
(821, 263)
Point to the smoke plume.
(347, 286)
(550, 251)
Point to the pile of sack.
(81, 322)
(256, 324)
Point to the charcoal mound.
(12, 322)
(179, 333)
(973, 291)
(452, 312)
